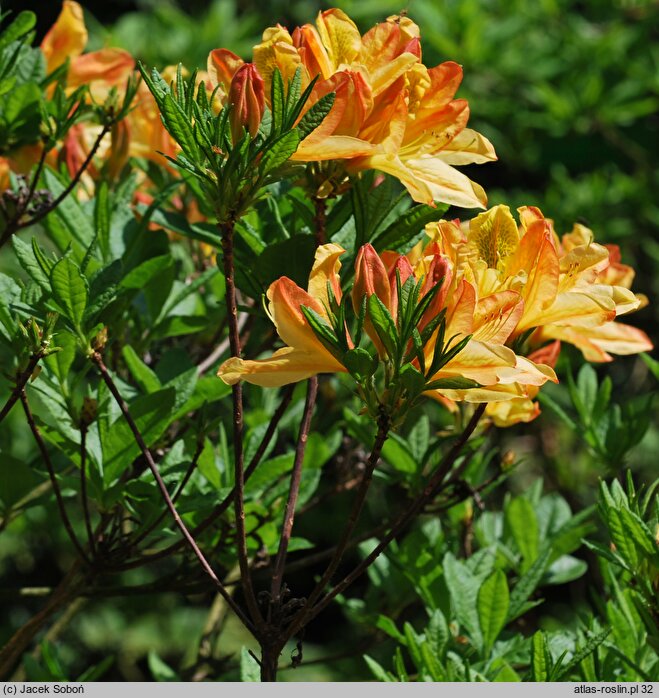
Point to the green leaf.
(145, 378)
(321, 329)
(178, 125)
(249, 668)
(592, 643)
(360, 363)
(401, 231)
(315, 116)
(69, 290)
(523, 524)
(60, 362)
(652, 364)
(540, 657)
(527, 584)
(26, 256)
(146, 272)
(388, 626)
(493, 603)
(279, 152)
(69, 213)
(292, 258)
(412, 380)
(384, 324)
(456, 383)
(202, 232)
(23, 24)
(397, 453)
(153, 414)
(464, 588)
(380, 673)
(160, 670)
(102, 218)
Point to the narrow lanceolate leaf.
(457, 383)
(523, 524)
(28, 260)
(322, 330)
(493, 602)
(280, 151)
(383, 323)
(360, 363)
(591, 645)
(22, 25)
(540, 658)
(314, 117)
(400, 232)
(179, 127)
(527, 584)
(69, 290)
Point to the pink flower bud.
(247, 100)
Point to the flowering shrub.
(158, 223)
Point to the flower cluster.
(106, 74)
(476, 313)
(391, 113)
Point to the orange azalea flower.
(390, 113)
(101, 70)
(571, 289)
(305, 355)
(484, 358)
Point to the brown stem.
(270, 663)
(21, 382)
(218, 352)
(428, 493)
(306, 613)
(53, 478)
(226, 502)
(227, 231)
(71, 185)
(294, 490)
(12, 225)
(107, 378)
(19, 642)
(83, 488)
(177, 494)
(320, 220)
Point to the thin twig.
(66, 591)
(53, 478)
(226, 502)
(320, 220)
(221, 348)
(306, 613)
(294, 490)
(227, 231)
(21, 382)
(71, 185)
(107, 378)
(428, 493)
(83, 487)
(181, 486)
(12, 225)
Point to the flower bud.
(401, 267)
(247, 100)
(371, 279)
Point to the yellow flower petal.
(286, 299)
(325, 270)
(67, 38)
(286, 365)
(340, 37)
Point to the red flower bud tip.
(247, 100)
